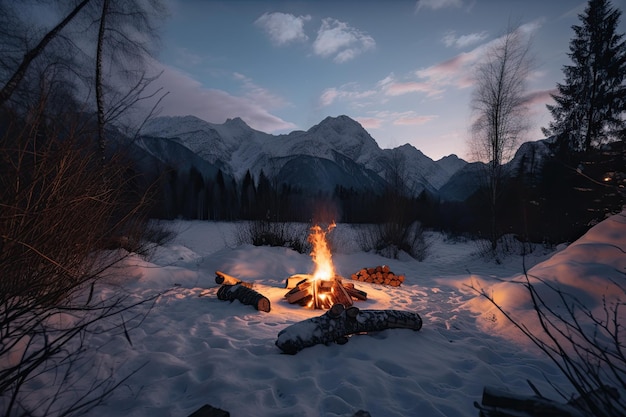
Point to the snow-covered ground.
(194, 349)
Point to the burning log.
(322, 294)
(294, 280)
(244, 294)
(336, 324)
(222, 278)
(378, 275)
(354, 293)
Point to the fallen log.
(245, 295)
(208, 410)
(499, 403)
(338, 323)
(222, 278)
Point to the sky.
(401, 68)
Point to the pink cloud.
(413, 120)
(397, 89)
(540, 97)
(370, 122)
(187, 96)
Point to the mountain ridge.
(337, 151)
(239, 148)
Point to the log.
(294, 280)
(300, 294)
(208, 410)
(339, 293)
(245, 295)
(499, 403)
(355, 293)
(222, 278)
(338, 323)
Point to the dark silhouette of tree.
(590, 104)
(248, 196)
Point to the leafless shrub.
(391, 238)
(268, 233)
(506, 245)
(60, 206)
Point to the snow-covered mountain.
(337, 151)
(528, 160)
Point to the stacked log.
(322, 293)
(378, 275)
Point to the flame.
(324, 269)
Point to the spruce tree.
(590, 104)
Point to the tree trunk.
(99, 81)
(338, 323)
(19, 74)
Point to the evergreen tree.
(590, 104)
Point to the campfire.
(324, 288)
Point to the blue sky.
(401, 68)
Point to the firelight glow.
(324, 268)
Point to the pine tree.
(590, 105)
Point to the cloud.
(188, 96)
(413, 119)
(383, 118)
(260, 94)
(390, 87)
(339, 40)
(437, 4)
(450, 39)
(348, 92)
(370, 122)
(397, 89)
(540, 97)
(283, 28)
(455, 71)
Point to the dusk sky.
(401, 68)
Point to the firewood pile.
(378, 275)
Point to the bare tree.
(99, 48)
(500, 111)
(29, 56)
(127, 33)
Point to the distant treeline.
(570, 194)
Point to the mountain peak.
(236, 122)
(339, 123)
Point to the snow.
(193, 349)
